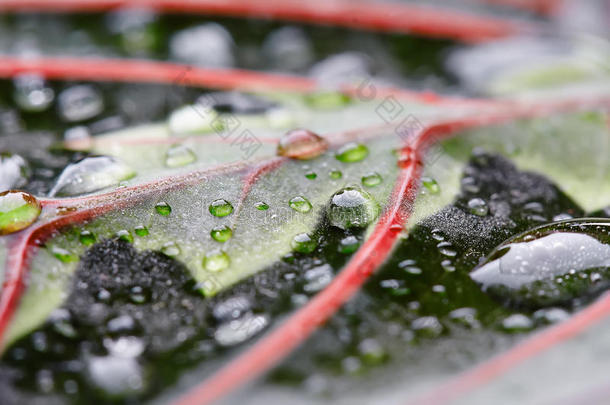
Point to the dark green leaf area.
(134, 322)
(422, 308)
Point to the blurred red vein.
(379, 16)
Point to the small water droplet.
(14, 171)
(179, 155)
(18, 210)
(262, 206)
(446, 249)
(478, 206)
(141, 230)
(349, 244)
(79, 103)
(170, 249)
(427, 326)
(304, 243)
(371, 352)
(517, 323)
(163, 208)
(300, 204)
(137, 295)
(352, 152)
(327, 100)
(335, 174)
(221, 208)
(447, 265)
(215, 261)
(239, 330)
(87, 238)
(430, 185)
(301, 144)
(410, 267)
(352, 207)
(32, 93)
(221, 233)
(371, 179)
(124, 235)
(63, 255)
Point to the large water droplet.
(31, 93)
(301, 144)
(179, 155)
(300, 204)
(262, 206)
(89, 175)
(14, 171)
(220, 208)
(18, 210)
(216, 261)
(79, 103)
(549, 265)
(352, 152)
(352, 207)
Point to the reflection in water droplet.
(304, 243)
(549, 265)
(352, 207)
(163, 208)
(216, 261)
(89, 175)
(221, 233)
(300, 204)
(352, 152)
(301, 144)
(478, 206)
(371, 180)
(221, 208)
(18, 210)
(179, 155)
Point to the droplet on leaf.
(335, 174)
(18, 210)
(352, 152)
(300, 204)
(63, 254)
(179, 155)
(221, 234)
(311, 175)
(163, 208)
(352, 207)
(32, 93)
(87, 238)
(141, 230)
(261, 206)
(79, 103)
(349, 244)
(125, 236)
(478, 206)
(221, 208)
(301, 144)
(371, 180)
(216, 261)
(430, 185)
(304, 243)
(170, 249)
(14, 171)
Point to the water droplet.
(141, 230)
(318, 278)
(349, 244)
(232, 308)
(517, 323)
(170, 249)
(262, 206)
(410, 267)
(125, 236)
(301, 144)
(179, 155)
(239, 330)
(304, 243)
(371, 352)
(163, 208)
(311, 175)
(63, 255)
(221, 233)
(87, 238)
(551, 315)
(478, 206)
(89, 175)
(427, 326)
(371, 180)
(352, 207)
(137, 295)
(446, 249)
(121, 324)
(216, 261)
(430, 185)
(80, 103)
(221, 208)
(335, 174)
(447, 265)
(300, 204)
(14, 171)
(395, 287)
(466, 317)
(326, 100)
(187, 46)
(549, 265)
(18, 210)
(352, 152)
(32, 93)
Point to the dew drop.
(352, 152)
(549, 265)
(79, 103)
(220, 208)
(300, 204)
(18, 210)
(517, 323)
(349, 244)
(478, 206)
(87, 238)
(301, 144)
(352, 207)
(63, 255)
(261, 206)
(303, 243)
(170, 249)
(14, 171)
(216, 261)
(179, 155)
(335, 174)
(221, 233)
(163, 208)
(32, 93)
(371, 180)
(89, 175)
(311, 175)
(141, 230)
(239, 330)
(125, 236)
(430, 185)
